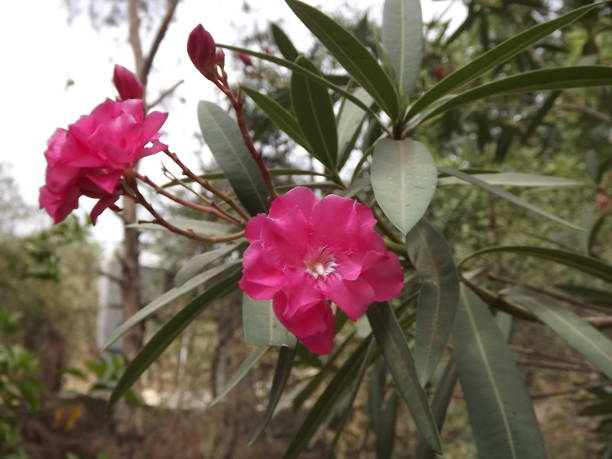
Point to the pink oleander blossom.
(89, 158)
(309, 252)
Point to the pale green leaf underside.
(261, 327)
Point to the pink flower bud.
(201, 50)
(220, 58)
(246, 60)
(128, 85)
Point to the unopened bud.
(202, 50)
(128, 85)
(246, 60)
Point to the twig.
(222, 84)
(166, 93)
(570, 391)
(134, 38)
(161, 32)
(587, 111)
(208, 209)
(207, 185)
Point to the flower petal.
(353, 297)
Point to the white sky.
(40, 52)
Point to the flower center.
(320, 263)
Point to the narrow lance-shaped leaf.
(168, 333)
(223, 137)
(254, 357)
(279, 115)
(350, 119)
(496, 56)
(284, 364)
(438, 298)
(505, 195)
(587, 265)
(167, 298)
(404, 179)
(586, 339)
(204, 227)
(500, 412)
(337, 387)
(284, 44)
(261, 326)
(327, 81)
(517, 179)
(315, 114)
(537, 80)
(351, 54)
(402, 39)
(399, 361)
(196, 264)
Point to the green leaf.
(438, 298)
(350, 119)
(204, 227)
(279, 115)
(351, 54)
(590, 295)
(506, 195)
(439, 405)
(327, 81)
(168, 333)
(168, 297)
(500, 412)
(240, 373)
(402, 38)
(587, 265)
(284, 364)
(318, 378)
(196, 264)
(495, 57)
(399, 361)
(222, 135)
(515, 179)
(583, 337)
(315, 114)
(594, 232)
(404, 179)
(337, 387)
(261, 326)
(283, 43)
(537, 80)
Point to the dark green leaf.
(284, 44)
(586, 339)
(279, 115)
(204, 227)
(240, 373)
(196, 264)
(351, 54)
(223, 137)
(337, 387)
(587, 265)
(590, 295)
(518, 179)
(537, 80)
(329, 81)
(404, 179)
(168, 297)
(594, 232)
(500, 412)
(439, 405)
(279, 381)
(496, 56)
(168, 333)
(506, 195)
(438, 298)
(315, 114)
(402, 39)
(399, 360)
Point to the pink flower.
(246, 60)
(128, 85)
(89, 158)
(308, 252)
(202, 51)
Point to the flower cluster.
(90, 157)
(308, 252)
